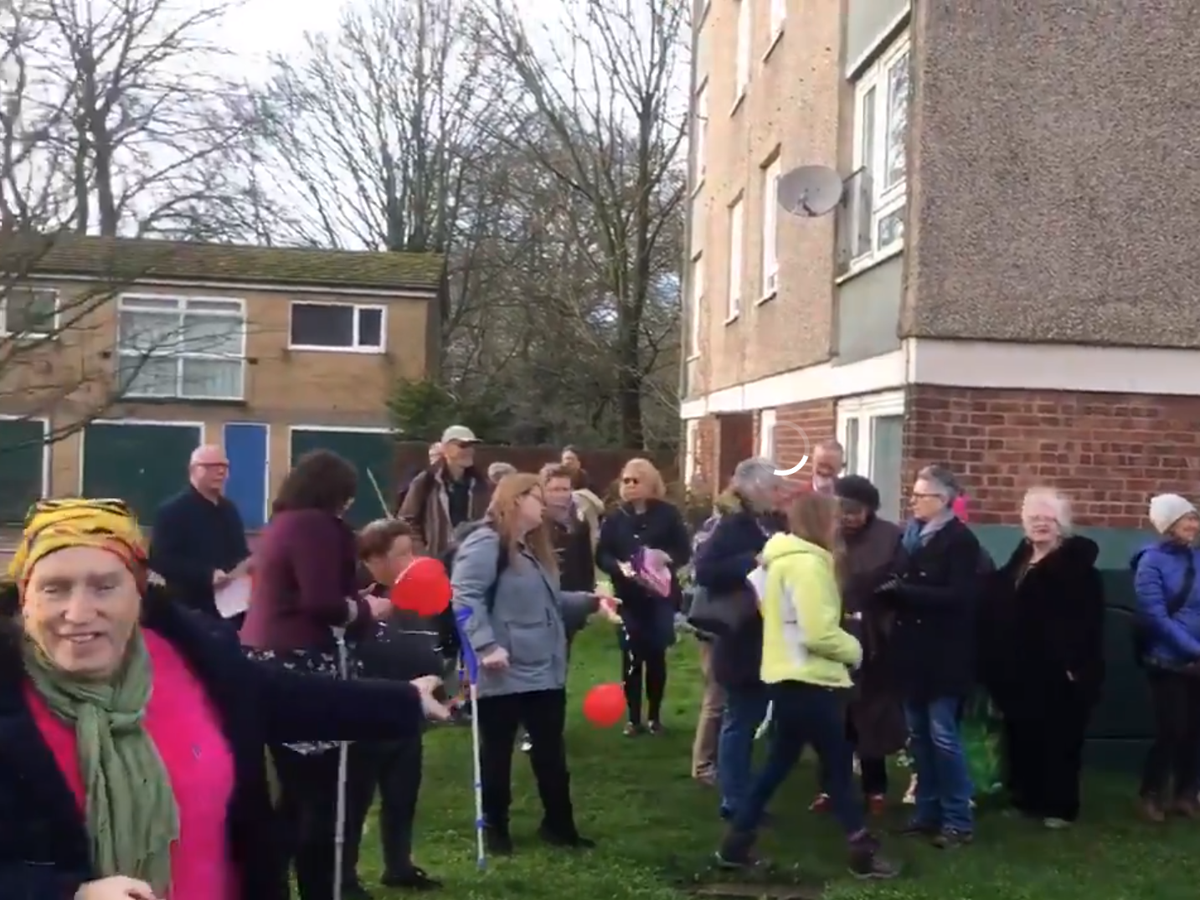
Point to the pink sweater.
(185, 729)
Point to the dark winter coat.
(649, 620)
(44, 848)
(1041, 630)
(870, 557)
(933, 636)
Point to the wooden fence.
(603, 466)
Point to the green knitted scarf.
(132, 818)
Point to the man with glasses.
(199, 542)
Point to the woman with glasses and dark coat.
(644, 521)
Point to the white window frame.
(889, 199)
(766, 434)
(744, 48)
(696, 211)
(865, 410)
(778, 18)
(35, 289)
(700, 134)
(357, 307)
(187, 306)
(770, 230)
(737, 268)
(697, 307)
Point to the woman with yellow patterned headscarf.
(134, 732)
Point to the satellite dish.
(810, 191)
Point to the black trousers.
(543, 715)
(872, 771)
(395, 768)
(1044, 748)
(307, 817)
(644, 667)
(1170, 769)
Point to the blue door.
(246, 447)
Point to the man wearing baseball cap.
(448, 493)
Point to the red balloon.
(604, 705)
(423, 588)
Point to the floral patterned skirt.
(319, 662)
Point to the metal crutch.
(339, 833)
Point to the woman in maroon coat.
(305, 594)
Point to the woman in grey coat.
(506, 577)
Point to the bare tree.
(381, 135)
(604, 114)
(146, 124)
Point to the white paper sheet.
(758, 580)
(233, 598)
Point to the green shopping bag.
(981, 744)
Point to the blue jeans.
(744, 712)
(943, 781)
(806, 714)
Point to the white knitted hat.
(1167, 509)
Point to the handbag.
(721, 614)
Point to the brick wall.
(1108, 452)
(798, 429)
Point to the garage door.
(140, 463)
(22, 467)
(368, 450)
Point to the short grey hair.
(943, 481)
(833, 445)
(754, 475)
(498, 470)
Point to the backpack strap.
(489, 597)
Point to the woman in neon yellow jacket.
(806, 663)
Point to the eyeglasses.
(919, 496)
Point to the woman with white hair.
(723, 560)
(1042, 657)
(933, 647)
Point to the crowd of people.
(156, 750)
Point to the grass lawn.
(656, 829)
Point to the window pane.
(887, 435)
(148, 376)
(897, 122)
(149, 332)
(370, 328)
(212, 378)
(866, 145)
(890, 229)
(314, 325)
(850, 443)
(218, 335)
(29, 311)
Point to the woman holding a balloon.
(515, 622)
(642, 546)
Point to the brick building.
(1009, 285)
(122, 355)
